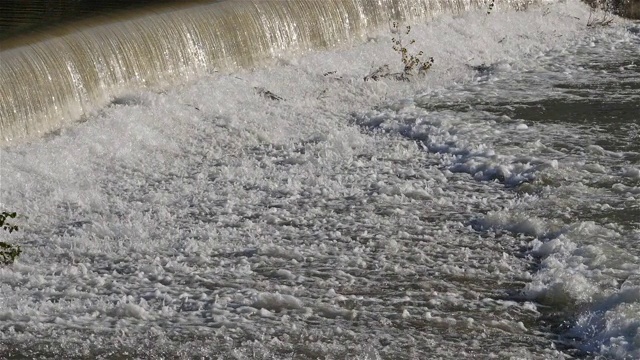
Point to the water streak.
(52, 82)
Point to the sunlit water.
(488, 210)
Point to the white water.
(344, 221)
(50, 83)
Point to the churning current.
(490, 209)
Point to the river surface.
(488, 210)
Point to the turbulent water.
(51, 80)
(488, 210)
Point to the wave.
(52, 82)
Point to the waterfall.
(50, 82)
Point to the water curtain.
(51, 82)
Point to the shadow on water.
(602, 111)
(23, 17)
(615, 120)
(608, 109)
(605, 115)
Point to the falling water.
(51, 82)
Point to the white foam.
(263, 226)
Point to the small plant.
(491, 6)
(603, 20)
(8, 252)
(267, 94)
(413, 64)
(600, 13)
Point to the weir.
(50, 82)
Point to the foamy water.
(464, 214)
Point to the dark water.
(23, 17)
